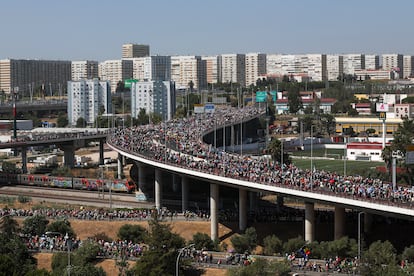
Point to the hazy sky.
(96, 29)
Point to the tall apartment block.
(87, 99)
(131, 50)
(353, 62)
(86, 69)
(212, 69)
(156, 68)
(115, 71)
(233, 68)
(334, 67)
(408, 66)
(255, 65)
(394, 63)
(186, 69)
(156, 97)
(27, 75)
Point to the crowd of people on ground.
(180, 142)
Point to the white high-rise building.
(313, 66)
(334, 67)
(115, 71)
(274, 65)
(87, 99)
(353, 62)
(187, 69)
(212, 68)
(372, 62)
(233, 68)
(394, 63)
(156, 97)
(152, 68)
(408, 66)
(255, 65)
(86, 69)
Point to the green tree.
(9, 167)
(14, 256)
(381, 259)
(294, 100)
(246, 241)
(86, 253)
(161, 257)
(275, 150)
(8, 225)
(134, 233)
(272, 245)
(35, 225)
(61, 226)
(293, 245)
(62, 120)
(81, 122)
(202, 240)
(142, 118)
(408, 254)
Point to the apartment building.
(372, 62)
(187, 69)
(352, 62)
(87, 99)
(233, 68)
(212, 69)
(86, 69)
(408, 66)
(255, 65)
(151, 68)
(25, 76)
(394, 63)
(156, 97)
(131, 50)
(334, 67)
(115, 71)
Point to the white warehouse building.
(87, 99)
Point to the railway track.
(90, 198)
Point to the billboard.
(382, 107)
(198, 108)
(261, 96)
(128, 83)
(209, 108)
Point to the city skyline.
(96, 30)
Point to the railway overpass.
(68, 142)
(216, 179)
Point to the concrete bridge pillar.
(68, 155)
(214, 197)
(120, 167)
(242, 209)
(175, 183)
(101, 151)
(24, 160)
(367, 222)
(309, 221)
(339, 222)
(184, 193)
(232, 135)
(158, 189)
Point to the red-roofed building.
(362, 108)
(364, 151)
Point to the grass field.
(352, 167)
(337, 165)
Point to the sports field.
(334, 164)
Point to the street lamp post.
(311, 149)
(68, 244)
(177, 263)
(359, 235)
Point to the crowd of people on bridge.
(180, 142)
